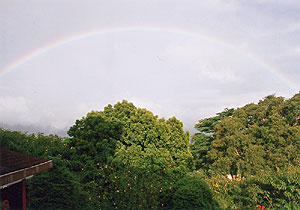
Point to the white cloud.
(279, 2)
(24, 111)
(188, 76)
(17, 109)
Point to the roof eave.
(19, 175)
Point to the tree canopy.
(201, 142)
(258, 145)
(263, 136)
(122, 144)
(126, 157)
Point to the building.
(15, 168)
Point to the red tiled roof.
(16, 166)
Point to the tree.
(255, 138)
(57, 188)
(201, 142)
(257, 142)
(93, 144)
(123, 144)
(124, 125)
(191, 192)
(143, 177)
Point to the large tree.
(130, 153)
(201, 141)
(257, 137)
(259, 146)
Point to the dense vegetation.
(125, 157)
(251, 156)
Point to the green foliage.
(95, 137)
(259, 147)
(93, 144)
(141, 127)
(127, 158)
(291, 110)
(37, 145)
(200, 145)
(290, 206)
(201, 142)
(56, 188)
(207, 125)
(127, 153)
(142, 177)
(278, 188)
(256, 138)
(191, 192)
(235, 193)
(4, 205)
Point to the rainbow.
(59, 43)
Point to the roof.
(15, 166)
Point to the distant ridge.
(34, 129)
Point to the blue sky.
(189, 59)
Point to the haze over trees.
(125, 157)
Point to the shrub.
(191, 192)
(56, 188)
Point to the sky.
(60, 59)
